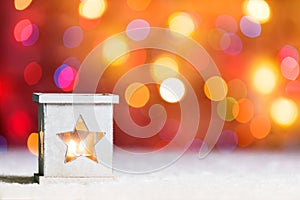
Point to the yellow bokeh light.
(114, 50)
(137, 95)
(258, 9)
(182, 22)
(22, 4)
(92, 9)
(284, 111)
(264, 80)
(32, 143)
(228, 109)
(215, 88)
(163, 68)
(172, 90)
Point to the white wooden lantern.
(75, 137)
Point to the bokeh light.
(3, 144)
(26, 32)
(260, 126)
(137, 95)
(293, 88)
(214, 38)
(32, 73)
(231, 44)
(19, 123)
(32, 143)
(65, 77)
(72, 61)
(113, 49)
(172, 90)
(288, 51)
(289, 68)
(284, 111)
(163, 68)
(250, 27)
(73, 37)
(138, 5)
(33, 37)
(258, 9)
(264, 80)
(237, 89)
(227, 141)
(226, 23)
(228, 109)
(138, 29)
(215, 88)
(23, 30)
(22, 4)
(92, 9)
(182, 23)
(245, 110)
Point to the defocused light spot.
(3, 144)
(264, 80)
(115, 48)
(289, 68)
(32, 73)
(245, 138)
(246, 110)
(19, 123)
(181, 22)
(72, 61)
(33, 37)
(65, 77)
(227, 23)
(73, 37)
(237, 89)
(259, 9)
(250, 27)
(32, 143)
(138, 29)
(168, 132)
(293, 88)
(26, 32)
(214, 38)
(138, 5)
(288, 51)
(227, 141)
(172, 90)
(163, 68)
(23, 30)
(215, 88)
(284, 111)
(231, 44)
(225, 109)
(92, 9)
(22, 4)
(137, 95)
(260, 127)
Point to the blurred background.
(254, 44)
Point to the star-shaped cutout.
(80, 142)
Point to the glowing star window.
(80, 142)
(75, 137)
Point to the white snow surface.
(237, 175)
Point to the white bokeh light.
(172, 90)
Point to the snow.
(238, 175)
